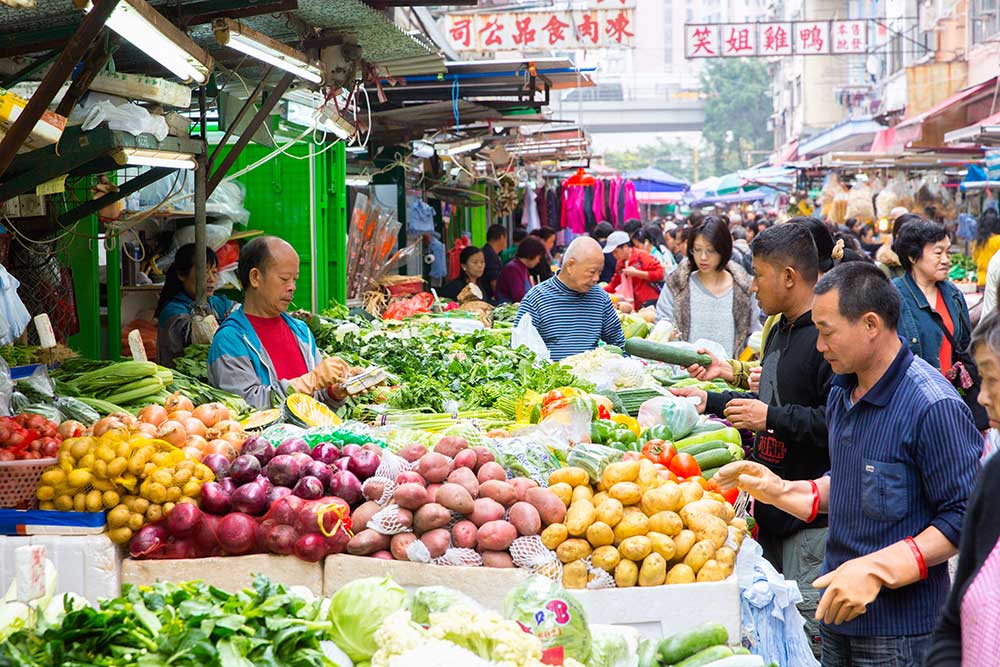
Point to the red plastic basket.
(19, 481)
(401, 288)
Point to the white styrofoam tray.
(88, 565)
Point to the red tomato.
(659, 451)
(602, 412)
(731, 495)
(684, 465)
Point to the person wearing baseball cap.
(636, 269)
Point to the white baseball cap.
(615, 239)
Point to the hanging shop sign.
(779, 38)
(607, 25)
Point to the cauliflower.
(488, 635)
(397, 636)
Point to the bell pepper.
(623, 434)
(631, 422)
(600, 431)
(656, 432)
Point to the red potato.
(373, 489)
(361, 516)
(432, 490)
(368, 542)
(437, 541)
(404, 517)
(486, 510)
(550, 508)
(451, 445)
(502, 492)
(434, 467)
(522, 484)
(496, 535)
(464, 459)
(465, 478)
(430, 517)
(383, 555)
(456, 498)
(491, 470)
(463, 535)
(399, 544)
(525, 519)
(412, 453)
(410, 477)
(483, 455)
(410, 496)
(497, 559)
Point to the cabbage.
(357, 611)
(613, 646)
(433, 599)
(550, 613)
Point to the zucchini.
(709, 474)
(702, 447)
(685, 644)
(665, 352)
(708, 426)
(727, 434)
(706, 657)
(715, 458)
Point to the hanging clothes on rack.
(599, 201)
(572, 209)
(530, 219)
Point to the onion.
(234, 438)
(208, 414)
(196, 441)
(259, 447)
(237, 533)
(124, 417)
(325, 452)
(346, 486)
(146, 429)
(182, 519)
(153, 414)
(205, 535)
(71, 429)
(250, 498)
(310, 547)
(108, 423)
(227, 425)
(173, 432)
(277, 538)
(276, 493)
(285, 510)
(283, 470)
(244, 469)
(228, 485)
(192, 425)
(320, 471)
(293, 445)
(148, 540)
(309, 488)
(192, 453)
(214, 499)
(218, 464)
(177, 401)
(221, 447)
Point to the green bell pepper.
(624, 435)
(656, 432)
(601, 430)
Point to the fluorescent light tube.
(160, 39)
(257, 45)
(325, 118)
(358, 180)
(153, 158)
(458, 147)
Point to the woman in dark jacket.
(473, 266)
(934, 318)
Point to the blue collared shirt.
(902, 458)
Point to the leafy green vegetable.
(357, 611)
(194, 363)
(433, 599)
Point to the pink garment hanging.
(572, 210)
(615, 185)
(631, 203)
(598, 206)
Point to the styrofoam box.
(88, 565)
(229, 573)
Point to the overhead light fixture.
(358, 180)
(257, 45)
(325, 118)
(458, 147)
(161, 40)
(423, 149)
(150, 157)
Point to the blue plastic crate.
(50, 522)
(21, 372)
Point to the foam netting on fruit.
(597, 578)
(417, 552)
(389, 468)
(460, 557)
(529, 552)
(386, 521)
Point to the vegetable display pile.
(703, 646)
(28, 437)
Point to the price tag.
(136, 345)
(53, 187)
(46, 337)
(29, 562)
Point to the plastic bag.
(573, 413)
(415, 305)
(547, 610)
(521, 457)
(527, 335)
(678, 413)
(614, 646)
(128, 117)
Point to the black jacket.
(795, 443)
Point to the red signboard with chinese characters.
(611, 24)
(775, 38)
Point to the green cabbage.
(433, 599)
(554, 616)
(357, 611)
(613, 646)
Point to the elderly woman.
(934, 318)
(260, 352)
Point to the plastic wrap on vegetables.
(522, 457)
(548, 611)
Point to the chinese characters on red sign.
(775, 38)
(610, 24)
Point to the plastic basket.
(19, 480)
(402, 288)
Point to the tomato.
(659, 451)
(553, 395)
(684, 465)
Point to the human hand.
(754, 478)
(702, 396)
(718, 368)
(632, 272)
(332, 371)
(755, 379)
(849, 590)
(747, 413)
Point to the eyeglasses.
(703, 252)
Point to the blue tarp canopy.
(651, 179)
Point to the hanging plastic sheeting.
(772, 624)
(14, 317)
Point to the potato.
(431, 516)
(653, 571)
(609, 512)
(525, 518)
(451, 445)
(606, 558)
(363, 514)
(739, 524)
(399, 543)
(373, 489)
(410, 496)
(465, 459)
(549, 507)
(554, 535)
(600, 534)
(620, 471)
(626, 573)
(708, 527)
(437, 541)
(413, 453)
(502, 492)
(636, 548)
(497, 559)
(575, 575)
(368, 542)
(564, 491)
(699, 553)
(734, 538)
(630, 526)
(705, 506)
(666, 522)
(463, 535)
(648, 477)
(496, 535)
(456, 498)
(434, 467)
(485, 510)
(572, 475)
(484, 456)
(432, 492)
(712, 570)
(579, 517)
(582, 493)
(691, 491)
(683, 542)
(600, 497)
(726, 557)
(680, 574)
(490, 470)
(521, 485)
(628, 493)
(573, 549)
(410, 477)
(666, 498)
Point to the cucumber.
(727, 434)
(706, 657)
(647, 653)
(715, 458)
(709, 474)
(685, 644)
(708, 427)
(665, 352)
(702, 447)
(739, 660)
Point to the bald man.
(569, 310)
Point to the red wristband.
(921, 563)
(815, 508)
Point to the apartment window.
(985, 20)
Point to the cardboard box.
(230, 574)
(88, 565)
(47, 130)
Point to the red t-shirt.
(281, 344)
(942, 309)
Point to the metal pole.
(54, 79)
(239, 116)
(200, 216)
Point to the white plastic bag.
(527, 335)
(130, 118)
(678, 413)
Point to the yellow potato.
(739, 524)
(78, 447)
(699, 554)
(683, 542)
(579, 517)
(606, 558)
(610, 512)
(653, 571)
(691, 491)
(53, 477)
(45, 493)
(156, 492)
(726, 557)
(120, 535)
(174, 493)
(626, 573)
(680, 574)
(573, 549)
(191, 489)
(572, 475)
(600, 534)
(583, 493)
(182, 475)
(554, 535)
(666, 498)
(140, 505)
(575, 575)
(708, 527)
(162, 476)
(117, 467)
(705, 506)
(167, 507)
(154, 513)
(561, 489)
(80, 502)
(100, 469)
(136, 521)
(79, 478)
(636, 548)
(666, 522)
(663, 545)
(599, 498)
(94, 501)
(630, 526)
(620, 471)
(118, 517)
(628, 493)
(712, 570)
(46, 505)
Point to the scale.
(371, 376)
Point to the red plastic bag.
(416, 304)
(228, 254)
(454, 256)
